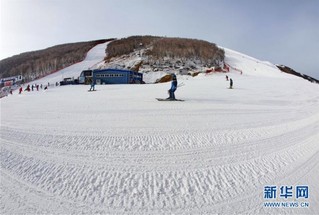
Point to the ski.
(179, 100)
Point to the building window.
(109, 75)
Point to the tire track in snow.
(156, 188)
(207, 137)
(236, 145)
(255, 198)
(32, 199)
(94, 177)
(192, 158)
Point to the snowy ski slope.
(119, 151)
(93, 58)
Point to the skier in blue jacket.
(173, 88)
(92, 86)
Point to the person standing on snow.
(231, 84)
(20, 90)
(92, 85)
(171, 91)
(28, 88)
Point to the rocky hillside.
(148, 54)
(288, 70)
(36, 64)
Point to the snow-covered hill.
(93, 58)
(118, 150)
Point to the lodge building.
(111, 76)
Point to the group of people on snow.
(34, 86)
(171, 91)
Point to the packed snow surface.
(118, 150)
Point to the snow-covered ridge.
(252, 66)
(238, 62)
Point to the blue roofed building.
(116, 76)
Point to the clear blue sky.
(280, 31)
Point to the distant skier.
(28, 88)
(171, 91)
(92, 86)
(20, 90)
(226, 77)
(231, 84)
